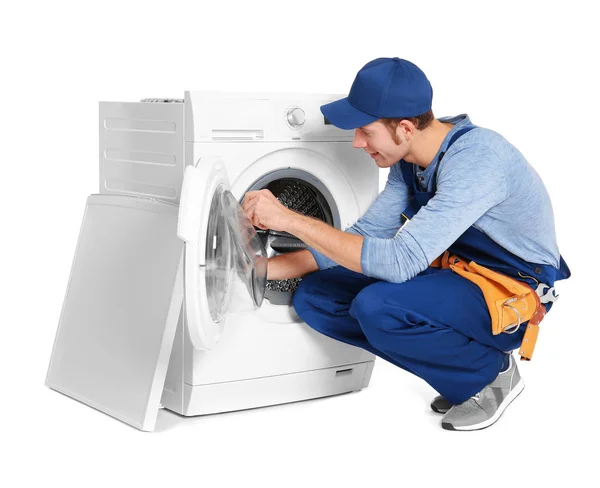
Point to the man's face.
(377, 141)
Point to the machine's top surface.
(264, 95)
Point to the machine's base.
(271, 390)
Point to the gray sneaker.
(440, 405)
(484, 408)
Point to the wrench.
(546, 293)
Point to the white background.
(524, 69)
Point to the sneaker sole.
(516, 391)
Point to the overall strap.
(407, 168)
(453, 139)
(407, 173)
(456, 135)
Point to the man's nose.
(359, 140)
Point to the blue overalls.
(435, 325)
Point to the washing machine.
(167, 303)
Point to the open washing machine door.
(225, 267)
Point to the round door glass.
(236, 259)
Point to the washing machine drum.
(304, 198)
(300, 197)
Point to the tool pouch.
(510, 302)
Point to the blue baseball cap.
(383, 88)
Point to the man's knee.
(330, 290)
(376, 314)
(366, 304)
(308, 289)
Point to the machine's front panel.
(316, 179)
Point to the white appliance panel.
(121, 309)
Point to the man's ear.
(405, 130)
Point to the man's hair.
(420, 122)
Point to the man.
(451, 186)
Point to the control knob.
(295, 117)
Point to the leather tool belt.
(509, 301)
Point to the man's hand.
(265, 211)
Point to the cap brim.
(343, 115)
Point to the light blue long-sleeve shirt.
(483, 181)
